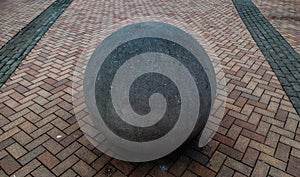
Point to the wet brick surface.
(259, 134)
(284, 60)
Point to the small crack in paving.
(17, 48)
(283, 59)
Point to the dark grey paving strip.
(284, 60)
(16, 49)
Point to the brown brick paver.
(294, 166)
(9, 164)
(259, 134)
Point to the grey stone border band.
(16, 49)
(284, 60)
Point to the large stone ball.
(148, 87)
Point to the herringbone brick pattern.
(15, 15)
(284, 16)
(39, 135)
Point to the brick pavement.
(15, 15)
(284, 60)
(285, 17)
(17, 48)
(259, 134)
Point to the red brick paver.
(259, 127)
